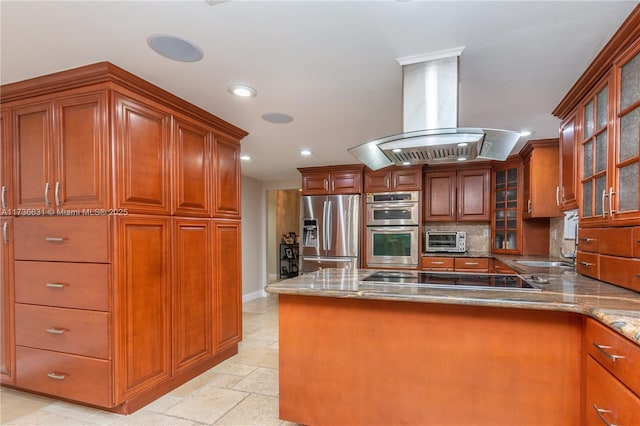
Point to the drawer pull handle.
(54, 285)
(57, 376)
(470, 263)
(57, 194)
(4, 197)
(600, 412)
(54, 239)
(5, 232)
(56, 330)
(46, 194)
(586, 240)
(612, 357)
(587, 264)
(438, 263)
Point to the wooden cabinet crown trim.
(102, 72)
(326, 169)
(626, 34)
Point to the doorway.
(283, 217)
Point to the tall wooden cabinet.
(121, 256)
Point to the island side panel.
(358, 361)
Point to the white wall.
(254, 259)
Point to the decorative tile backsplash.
(557, 241)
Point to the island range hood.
(430, 121)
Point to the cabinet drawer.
(620, 271)
(69, 238)
(588, 239)
(437, 263)
(626, 369)
(471, 263)
(501, 268)
(68, 285)
(64, 330)
(587, 264)
(607, 401)
(616, 242)
(63, 375)
(636, 241)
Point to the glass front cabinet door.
(506, 214)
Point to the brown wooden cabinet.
(6, 160)
(566, 190)
(457, 195)
(612, 385)
(226, 178)
(142, 155)
(192, 167)
(392, 179)
(61, 150)
(540, 171)
(6, 302)
(132, 248)
(332, 180)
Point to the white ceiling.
(329, 64)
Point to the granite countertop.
(566, 290)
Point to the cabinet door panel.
(315, 183)
(227, 178)
(81, 174)
(192, 292)
(191, 170)
(228, 281)
(32, 151)
(473, 195)
(6, 160)
(439, 197)
(377, 181)
(408, 180)
(566, 194)
(142, 145)
(6, 300)
(143, 335)
(346, 182)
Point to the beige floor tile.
(257, 356)
(254, 410)
(15, 404)
(82, 414)
(207, 405)
(220, 380)
(262, 381)
(149, 418)
(231, 367)
(163, 403)
(41, 417)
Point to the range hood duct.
(430, 121)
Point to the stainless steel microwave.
(445, 241)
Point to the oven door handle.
(392, 206)
(392, 229)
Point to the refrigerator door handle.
(324, 225)
(329, 220)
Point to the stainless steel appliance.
(392, 246)
(393, 208)
(445, 241)
(330, 232)
(392, 229)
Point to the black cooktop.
(495, 281)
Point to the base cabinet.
(138, 289)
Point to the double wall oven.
(393, 220)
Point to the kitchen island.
(364, 352)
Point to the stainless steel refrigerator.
(330, 232)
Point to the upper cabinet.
(457, 195)
(332, 180)
(566, 190)
(623, 191)
(601, 113)
(227, 177)
(540, 171)
(393, 179)
(66, 167)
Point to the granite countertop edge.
(615, 307)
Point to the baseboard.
(252, 296)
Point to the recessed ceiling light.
(305, 152)
(245, 157)
(462, 158)
(277, 118)
(396, 150)
(525, 133)
(175, 48)
(242, 90)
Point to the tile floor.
(240, 391)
